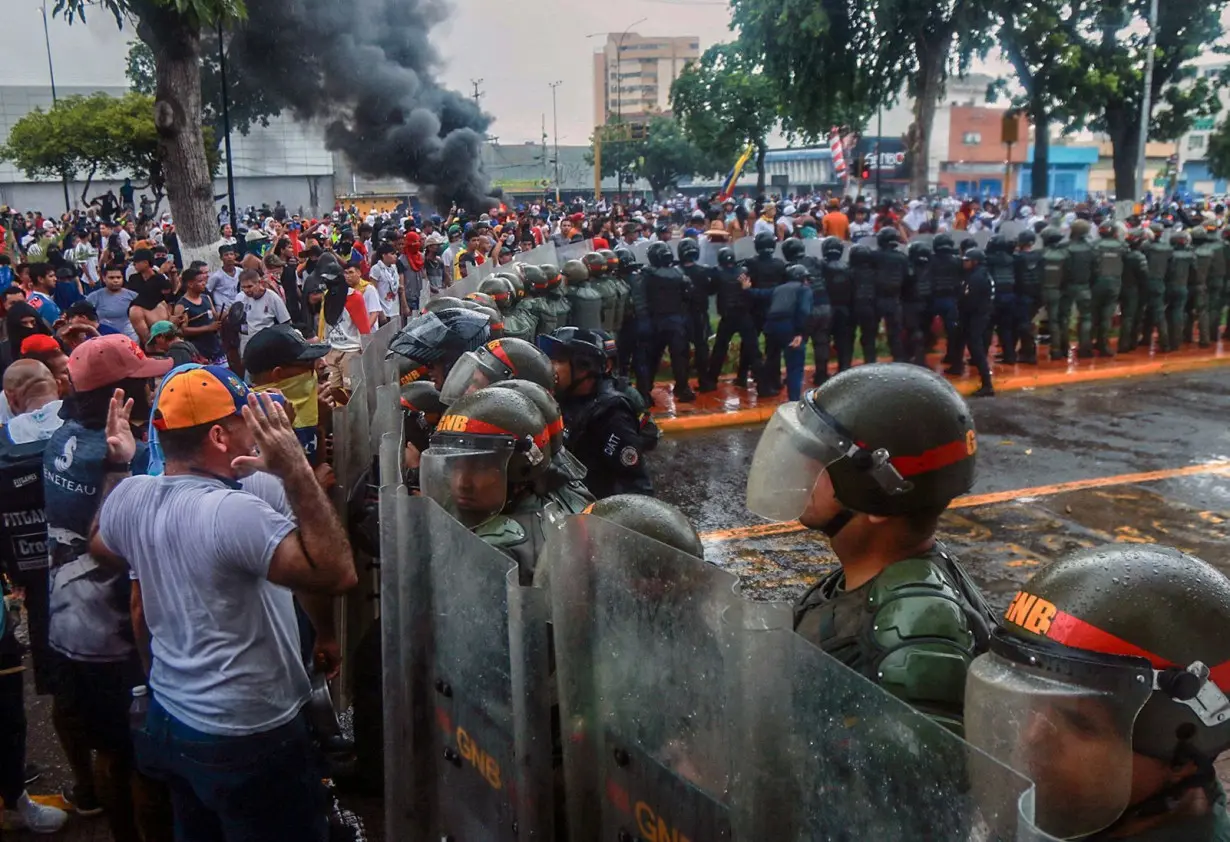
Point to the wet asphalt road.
(1027, 440)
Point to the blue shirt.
(47, 308)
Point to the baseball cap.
(280, 345)
(83, 308)
(198, 396)
(160, 328)
(107, 360)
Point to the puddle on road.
(1003, 544)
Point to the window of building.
(695, 45)
(1195, 141)
(971, 138)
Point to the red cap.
(39, 343)
(107, 360)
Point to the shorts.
(338, 365)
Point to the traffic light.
(638, 131)
(866, 173)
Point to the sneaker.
(34, 817)
(686, 396)
(984, 392)
(81, 801)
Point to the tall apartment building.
(633, 74)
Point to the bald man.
(33, 394)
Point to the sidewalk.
(732, 407)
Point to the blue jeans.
(237, 789)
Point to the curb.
(1021, 378)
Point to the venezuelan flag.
(731, 180)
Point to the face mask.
(300, 392)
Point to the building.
(1157, 154)
(633, 74)
(976, 159)
(1068, 172)
(1194, 173)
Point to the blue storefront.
(1197, 179)
(1067, 173)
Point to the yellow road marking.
(970, 501)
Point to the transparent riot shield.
(709, 251)
(1011, 229)
(641, 251)
(467, 692)
(826, 754)
(574, 251)
(745, 248)
(869, 242)
(812, 248)
(641, 668)
(376, 367)
(982, 238)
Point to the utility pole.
(555, 130)
(544, 155)
(879, 137)
(68, 205)
(477, 93)
(226, 130)
(1146, 105)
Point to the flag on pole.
(839, 157)
(728, 189)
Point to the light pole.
(555, 129)
(51, 70)
(619, 103)
(226, 130)
(1145, 105)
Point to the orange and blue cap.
(199, 396)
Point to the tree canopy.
(661, 155)
(725, 102)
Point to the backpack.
(23, 522)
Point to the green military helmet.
(481, 298)
(1157, 229)
(467, 304)
(544, 399)
(652, 518)
(535, 279)
(1108, 230)
(488, 441)
(1051, 237)
(792, 250)
(895, 439)
(1199, 234)
(1180, 239)
(442, 302)
(410, 371)
(496, 320)
(575, 272)
(499, 359)
(1081, 229)
(612, 260)
(517, 279)
(500, 289)
(1114, 651)
(421, 408)
(553, 275)
(595, 263)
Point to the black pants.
(868, 326)
(971, 335)
(821, 337)
(735, 324)
(914, 321)
(888, 310)
(670, 334)
(12, 728)
(698, 337)
(1026, 310)
(945, 306)
(1005, 326)
(842, 331)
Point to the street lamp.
(555, 129)
(619, 102)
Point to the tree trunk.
(930, 85)
(761, 171)
(1039, 182)
(89, 179)
(177, 117)
(1123, 127)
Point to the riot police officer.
(604, 428)
(438, 339)
(976, 307)
(1158, 254)
(1135, 282)
(536, 303)
(604, 285)
(766, 271)
(1106, 684)
(1197, 319)
(500, 359)
(667, 292)
(518, 321)
(701, 277)
(945, 283)
(735, 312)
(892, 267)
(917, 311)
(871, 459)
(1108, 284)
(1002, 268)
(840, 287)
(1027, 265)
(863, 280)
(787, 327)
(634, 331)
(1078, 289)
(1054, 291)
(584, 302)
(1178, 278)
(1217, 280)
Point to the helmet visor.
(469, 374)
(798, 444)
(1065, 726)
(468, 478)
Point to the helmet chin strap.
(837, 523)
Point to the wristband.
(110, 467)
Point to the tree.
(94, 135)
(172, 30)
(725, 102)
(837, 61)
(1112, 55)
(661, 156)
(250, 102)
(1218, 152)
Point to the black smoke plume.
(366, 69)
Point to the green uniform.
(1107, 286)
(1178, 278)
(1132, 297)
(914, 629)
(519, 531)
(1211, 827)
(1058, 308)
(1079, 291)
(1217, 288)
(545, 318)
(606, 287)
(520, 320)
(1158, 255)
(1197, 319)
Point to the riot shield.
(641, 668)
(377, 370)
(812, 248)
(745, 248)
(708, 252)
(574, 251)
(352, 450)
(826, 754)
(869, 242)
(467, 693)
(538, 255)
(982, 238)
(641, 251)
(1011, 229)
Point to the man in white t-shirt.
(223, 285)
(385, 276)
(261, 309)
(347, 315)
(225, 727)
